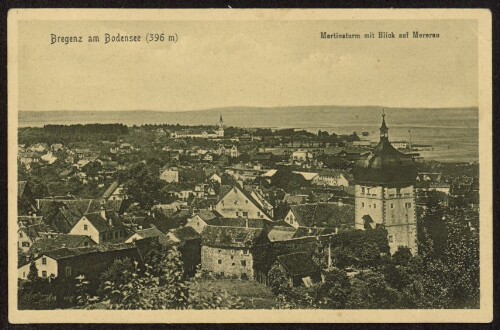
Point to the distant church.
(385, 193)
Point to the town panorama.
(219, 217)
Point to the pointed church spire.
(384, 131)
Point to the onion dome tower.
(385, 192)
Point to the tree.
(334, 292)
(33, 273)
(278, 282)
(402, 256)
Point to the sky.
(246, 63)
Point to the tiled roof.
(323, 215)
(185, 234)
(110, 190)
(298, 264)
(62, 240)
(221, 236)
(152, 232)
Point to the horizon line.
(262, 107)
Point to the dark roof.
(185, 234)
(100, 223)
(237, 237)
(152, 232)
(207, 214)
(238, 222)
(385, 165)
(298, 264)
(312, 231)
(35, 231)
(324, 215)
(43, 245)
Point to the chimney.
(103, 210)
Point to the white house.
(100, 227)
(332, 178)
(238, 202)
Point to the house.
(115, 192)
(146, 233)
(295, 199)
(215, 178)
(228, 150)
(49, 158)
(299, 269)
(62, 213)
(59, 241)
(227, 251)
(333, 178)
(100, 226)
(25, 200)
(27, 235)
(199, 220)
(281, 233)
(65, 264)
(302, 155)
(39, 147)
(56, 146)
(27, 158)
(237, 202)
(170, 175)
(321, 215)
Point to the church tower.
(385, 193)
(220, 127)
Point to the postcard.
(250, 166)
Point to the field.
(253, 294)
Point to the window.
(237, 213)
(362, 190)
(408, 205)
(86, 244)
(374, 206)
(24, 274)
(391, 238)
(232, 251)
(232, 257)
(219, 262)
(233, 264)
(85, 227)
(26, 244)
(44, 261)
(245, 252)
(21, 235)
(244, 263)
(67, 271)
(245, 214)
(110, 235)
(392, 206)
(220, 251)
(363, 204)
(246, 201)
(116, 234)
(44, 273)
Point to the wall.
(230, 261)
(395, 208)
(79, 229)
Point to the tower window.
(392, 206)
(408, 205)
(363, 204)
(374, 206)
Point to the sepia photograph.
(250, 166)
